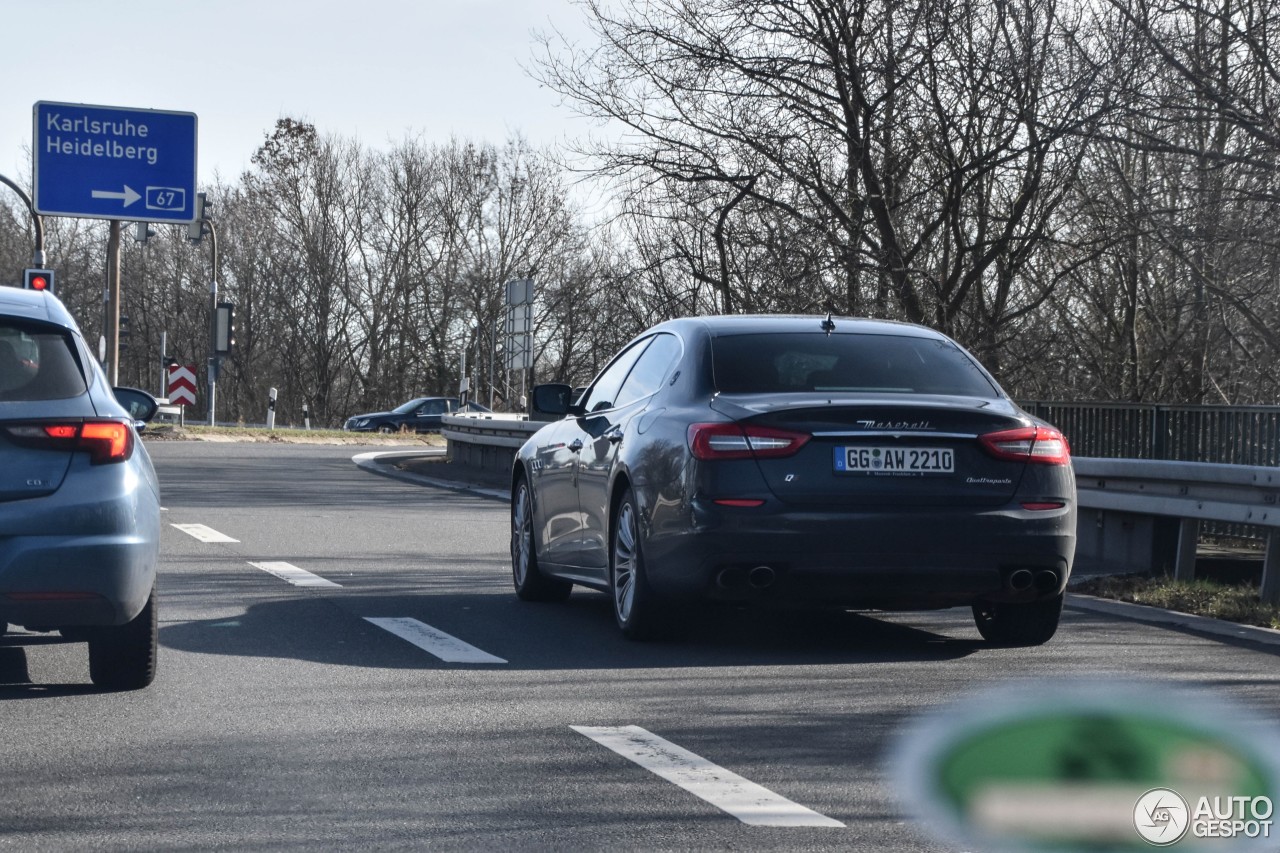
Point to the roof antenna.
(828, 325)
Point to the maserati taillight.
(1042, 445)
(743, 441)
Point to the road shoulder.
(429, 468)
(1174, 619)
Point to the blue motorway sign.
(114, 163)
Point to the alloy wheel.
(624, 562)
(521, 535)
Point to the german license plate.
(895, 460)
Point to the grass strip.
(288, 435)
(1230, 602)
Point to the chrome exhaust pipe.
(761, 577)
(1021, 580)
(1046, 580)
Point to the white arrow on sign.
(128, 196)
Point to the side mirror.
(142, 406)
(550, 401)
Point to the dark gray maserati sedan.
(811, 461)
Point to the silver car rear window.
(37, 363)
(898, 364)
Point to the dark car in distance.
(811, 461)
(421, 414)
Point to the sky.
(374, 70)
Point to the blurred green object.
(1096, 766)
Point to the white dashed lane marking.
(294, 575)
(204, 534)
(748, 802)
(444, 646)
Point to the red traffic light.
(35, 279)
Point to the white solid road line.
(742, 798)
(204, 534)
(444, 646)
(294, 575)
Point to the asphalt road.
(282, 718)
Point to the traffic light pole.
(213, 323)
(37, 258)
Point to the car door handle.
(575, 445)
(613, 434)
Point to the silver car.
(79, 499)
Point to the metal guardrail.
(1168, 502)
(1241, 494)
(486, 441)
(497, 430)
(1155, 507)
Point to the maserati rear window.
(788, 362)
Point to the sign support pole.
(493, 355)
(213, 322)
(113, 303)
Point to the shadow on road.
(15, 673)
(575, 635)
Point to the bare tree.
(926, 145)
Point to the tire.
(1031, 624)
(635, 607)
(123, 657)
(530, 583)
(386, 429)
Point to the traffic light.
(38, 280)
(196, 228)
(224, 329)
(124, 331)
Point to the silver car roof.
(34, 305)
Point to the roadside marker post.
(182, 385)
